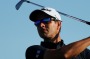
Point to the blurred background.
(17, 32)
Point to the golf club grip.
(88, 23)
(75, 18)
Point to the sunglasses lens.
(46, 20)
(37, 22)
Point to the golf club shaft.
(75, 18)
(35, 4)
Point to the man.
(48, 23)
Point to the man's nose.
(42, 25)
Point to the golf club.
(18, 5)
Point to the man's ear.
(59, 24)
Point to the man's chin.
(45, 37)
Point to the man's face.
(48, 29)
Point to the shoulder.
(86, 54)
(35, 51)
(86, 51)
(34, 48)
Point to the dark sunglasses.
(45, 20)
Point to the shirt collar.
(51, 45)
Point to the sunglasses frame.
(45, 21)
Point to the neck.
(58, 39)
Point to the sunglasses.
(45, 21)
